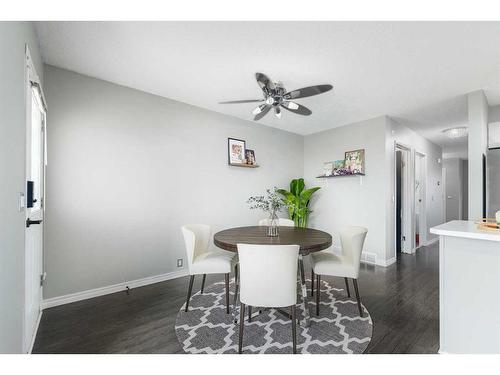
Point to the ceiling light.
(291, 105)
(257, 110)
(456, 132)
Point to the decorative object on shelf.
(297, 201)
(338, 167)
(245, 165)
(250, 157)
(355, 161)
(272, 203)
(328, 168)
(352, 165)
(343, 174)
(235, 151)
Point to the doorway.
(34, 203)
(402, 200)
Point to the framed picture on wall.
(338, 167)
(235, 151)
(250, 156)
(354, 161)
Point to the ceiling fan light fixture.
(276, 96)
(256, 111)
(458, 132)
(292, 105)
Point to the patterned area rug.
(206, 328)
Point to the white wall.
(477, 146)
(13, 37)
(343, 201)
(126, 169)
(434, 207)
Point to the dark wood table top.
(309, 240)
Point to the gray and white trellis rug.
(206, 328)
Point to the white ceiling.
(416, 72)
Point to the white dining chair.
(281, 222)
(268, 278)
(346, 265)
(203, 260)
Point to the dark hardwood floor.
(403, 300)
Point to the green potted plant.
(297, 201)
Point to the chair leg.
(312, 282)
(236, 291)
(355, 282)
(249, 314)
(190, 289)
(226, 277)
(242, 323)
(203, 282)
(318, 290)
(347, 287)
(294, 328)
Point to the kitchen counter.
(469, 288)
(465, 229)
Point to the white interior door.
(35, 172)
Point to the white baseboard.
(370, 258)
(86, 294)
(430, 242)
(386, 262)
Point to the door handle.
(31, 222)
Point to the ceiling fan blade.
(307, 91)
(243, 101)
(277, 111)
(264, 82)
(296, 108)
(261, 111)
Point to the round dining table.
(309, 241)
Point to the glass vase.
(273, 225)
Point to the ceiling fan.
(276, 97)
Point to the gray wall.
(434, 205)
(493, 170)
(465, 189)
(126, 169)
(13, 37)
(343, 201)
(477, 147)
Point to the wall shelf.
(342, 175)
(244, 165)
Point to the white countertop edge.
(464, 229)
